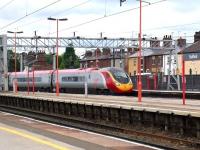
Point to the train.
(105, 80)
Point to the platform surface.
(152, 104)
(22, 133)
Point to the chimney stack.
(97, 52)
(88, 54)
(197, 36)
(181, 42)
(154, 42)
(167, 41)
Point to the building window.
(159, 60)
(142, 62)
(134, 62)
(153, 60)
(174, 60)
(168, 59)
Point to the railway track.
(144, 135)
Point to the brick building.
(96, 58)
(192, 57)
(106, 58)
(38, 61)
(154, 59)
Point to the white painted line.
(115, 138)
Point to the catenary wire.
(113, 14)
(75, 6)
(44, 7)
(5, 5)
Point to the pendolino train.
(105, 80)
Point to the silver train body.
(68, 79)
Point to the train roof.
(36, 71)
(80, 70)
(112, 68)
(60, 71)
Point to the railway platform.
(150, 104)
(159, 121)
(192, 94)
(22, 133)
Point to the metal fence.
(156, 82)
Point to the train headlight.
(117, 84)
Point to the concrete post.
(198, 128)
(5, 62)
(1, 66)
(169, 71)
(177, 67)
(21, 62)
(54, 59)
(113, 58)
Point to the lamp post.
(15, 81)
(139, 53)
(183, 78)
(86, 82)
(57, 82)
(36, 37)
(139, 56)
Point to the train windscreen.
(120, 76)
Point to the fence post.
(155, 81)
(148, 83)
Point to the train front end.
(117, 80)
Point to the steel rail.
(57, 115)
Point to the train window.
(70, 79)
(107, 76)
(81, 78)
(21, 79)
(119, 75)
(75, 78)
(64, 79)
(37, 79)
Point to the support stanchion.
(28, 82)
(33, 80)
(155, 81)
(148, 82)
(183, 79)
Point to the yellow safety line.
(36, 139)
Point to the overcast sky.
(176, 17)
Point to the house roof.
(194, 48)
(151, 52)
(94, 58)
(102, 57)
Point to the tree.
(59, 61)
(11, 61)
(49, 58)
(69, 59)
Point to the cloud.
(185, 6)
(155, 17)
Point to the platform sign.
(191, 56)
